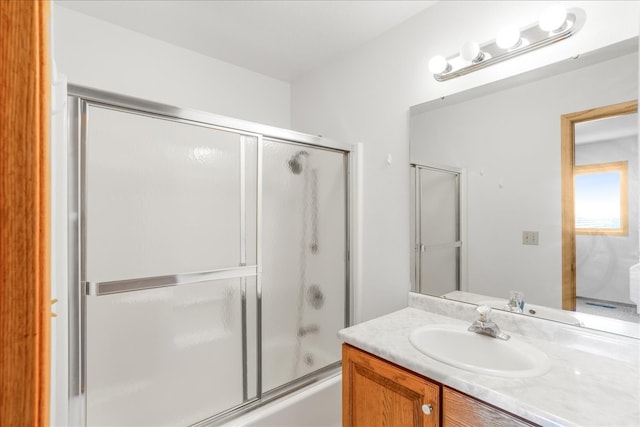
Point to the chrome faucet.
(516, 302)
(485, 326)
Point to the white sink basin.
(536, 311)
(456, 346)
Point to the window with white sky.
(600, 198)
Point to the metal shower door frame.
(460, 212)
(79, 99)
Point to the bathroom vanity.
(409, 399)
(591, 378)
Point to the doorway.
(599, 227)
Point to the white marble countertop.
(590, 321)
(594, 378)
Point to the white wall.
(365, 97)
(94, 53)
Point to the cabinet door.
(459, 410)
(377, 393)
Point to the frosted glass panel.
(164, 357)
(438, 207)
(438, 271)
(304, 251)
(162, 197)
(439, 232)
(250, 190)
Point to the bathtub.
(317, 405)
(280, 365)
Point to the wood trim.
(567, 156)
(25, 304)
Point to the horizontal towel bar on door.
(424, 248)
(140, 284)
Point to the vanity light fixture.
(553, 18)
(554, 24)
(509, 38)
(470, 52)
(439, 65)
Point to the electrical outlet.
(529, 237)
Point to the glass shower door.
(168, 268)
(437, 230)
(304, 279)
(210, 266)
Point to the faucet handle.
(484, 311)
(516, 300)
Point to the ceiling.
(608, 129)
(281, 39)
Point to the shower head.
(295, 163)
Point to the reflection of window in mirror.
(601, 198)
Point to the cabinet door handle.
(427, 409)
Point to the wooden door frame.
(25, 299)
(567, 156)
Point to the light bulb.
(470, 52)
(508, 37)
(438, 65)
(553, 18)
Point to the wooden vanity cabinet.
(376, 392)
(460, 410)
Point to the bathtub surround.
(317, 405)
(594, 378)
(218, 243)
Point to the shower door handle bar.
(145, 283)
(423, 248)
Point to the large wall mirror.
(506, 140)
